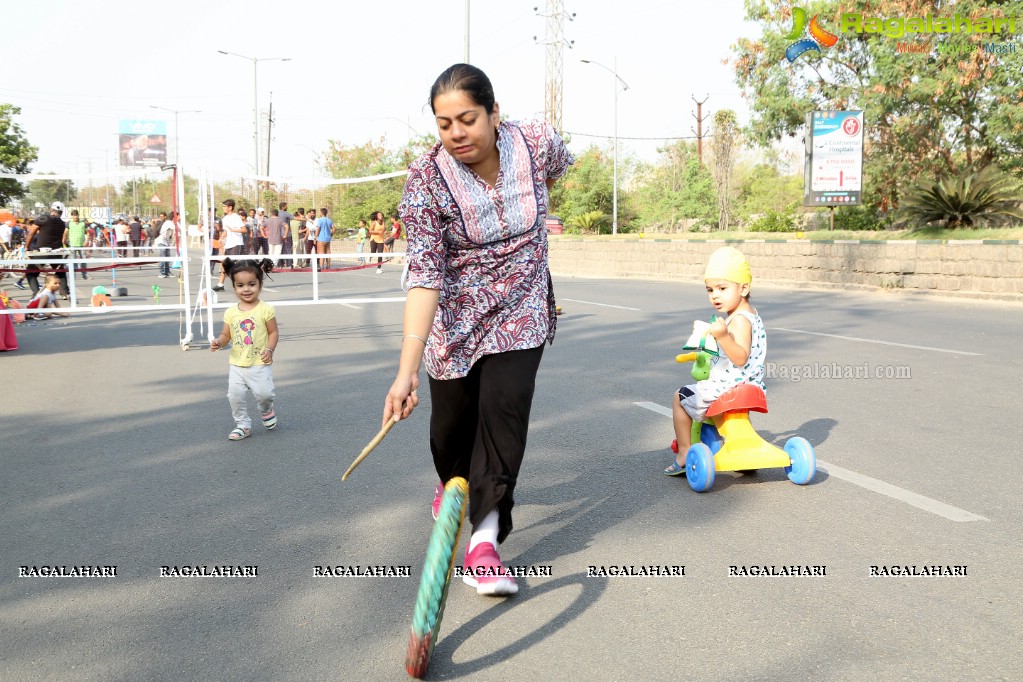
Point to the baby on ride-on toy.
(711, 417)
(742, 341)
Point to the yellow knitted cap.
(728, 263)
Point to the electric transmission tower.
(555, 42)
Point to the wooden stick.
(369, 448)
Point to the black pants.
(478, 430)
(377, 247)
(32, 277)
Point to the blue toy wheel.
(803, 462)
(699, 467)
(709, 435)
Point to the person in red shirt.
(394, 235)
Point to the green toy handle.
(700, 372)
(701, 363)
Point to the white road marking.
(602, 305)
(909, 497)
(348, 302)
(654, 407)
(878, 341)
(874, 485)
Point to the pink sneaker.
(488, 574)
(438, 494)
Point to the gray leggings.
(258, 379)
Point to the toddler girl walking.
(251, 327)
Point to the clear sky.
(357, 71)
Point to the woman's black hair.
(256, 267)
(468, 79)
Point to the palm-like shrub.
(585, 222)
(984, 197)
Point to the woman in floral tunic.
(480, 301)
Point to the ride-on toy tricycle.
(726, 441)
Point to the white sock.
(485, 532)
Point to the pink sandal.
(239, 433)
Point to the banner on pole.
(143, 143)
(833, 170)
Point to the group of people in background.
(130, 236)
(381, 237)
(307, 233)
(125, 237)
(240, 232)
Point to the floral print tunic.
(484, 248)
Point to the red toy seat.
(742, 398)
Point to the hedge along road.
(131, 467)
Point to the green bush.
(763, 189)
(774, 221)
(861, 218)
(587, 222)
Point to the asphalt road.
(114, 452)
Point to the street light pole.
(255, 119)
(625, 86)
(614, 86)
(255, 103)
(466, 61)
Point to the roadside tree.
(587, 186)
(935, 104)
(724, 145)
(675, 190)
(16, 154)
(45, 192)
(350, 203)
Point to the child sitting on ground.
(47, 298)
(742, 341)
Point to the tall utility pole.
(269, 129)
(699, 126)
(555, 42)
(255, 103)
(625, 86)
(466, 60)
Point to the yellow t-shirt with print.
(248, 333)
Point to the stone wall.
(982, 268)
